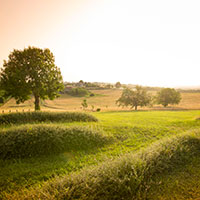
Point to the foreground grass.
(126, 177)
(132, 131)
(183, 182)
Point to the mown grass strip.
(36, 117)
(124, 178)
(36, 140)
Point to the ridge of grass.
(37, 117)
(126, 177)
(37, 140)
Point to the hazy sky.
(132, 41)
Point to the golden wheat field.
(103, 99)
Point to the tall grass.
(36, 140)
(32, 117)
(126, 177)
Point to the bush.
(98, 109)
(36, 140)
(84, 103)
(92, 95)
(78, 92)
(35, 117)
(126, 177)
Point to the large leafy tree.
(134, 98)
(168, 96)
(31, 71)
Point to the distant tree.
(134, 98)
(84, 103)
(109, 86)
(118, 85)
(88, 84)
(31, 71)
(168, 96)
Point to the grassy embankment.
(144, 154)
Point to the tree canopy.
(31, 71)
(134, 98)
(168, 96)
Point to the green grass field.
(152, 153)
(129, 133)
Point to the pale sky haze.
(155, 43)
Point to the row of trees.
(140, 97)
(92, 85)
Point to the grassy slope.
(131, 130)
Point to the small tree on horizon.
(31, 71)
(136, 98)
(168, 96)
(118, 84)
(84, 103)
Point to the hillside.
(103, 99)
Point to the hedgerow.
(36, 140)
(32, 117)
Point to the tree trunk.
(37, 102)
(136, 107)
